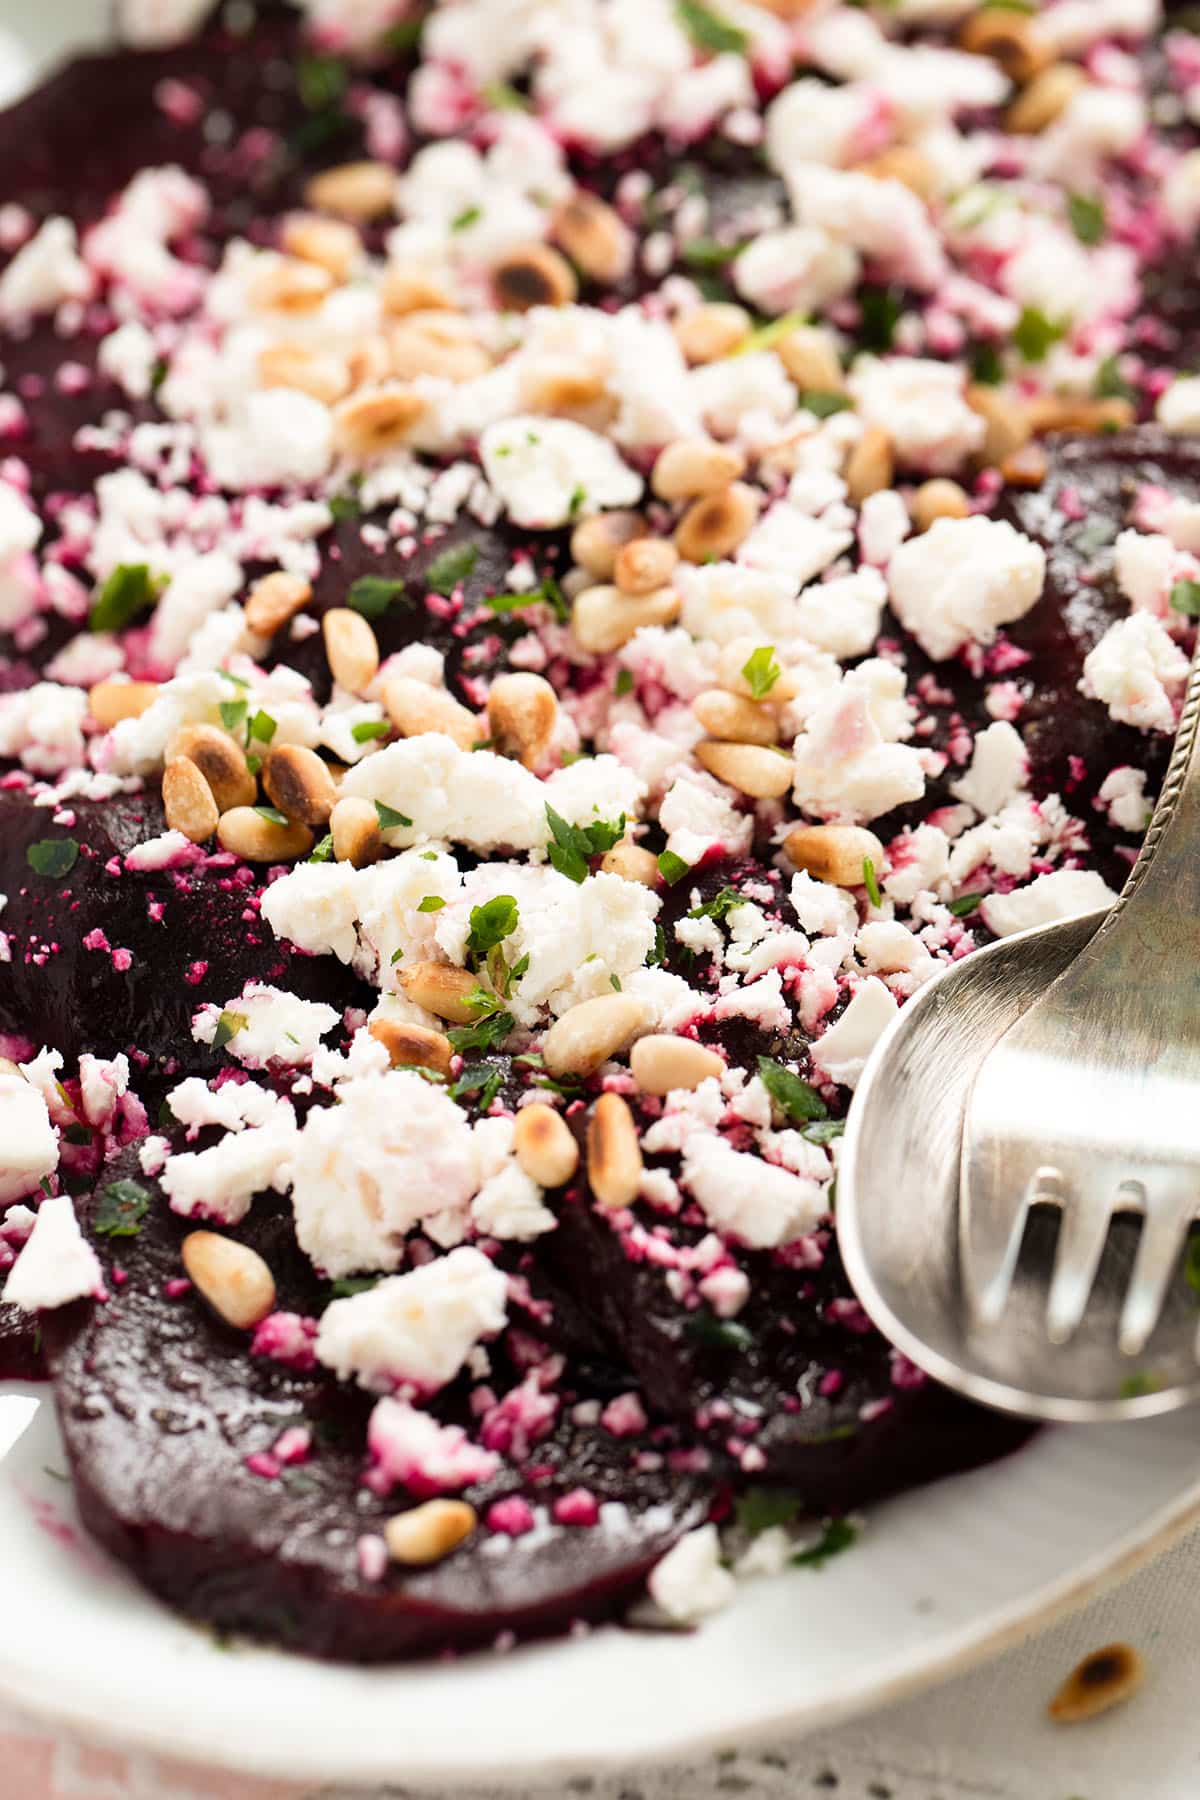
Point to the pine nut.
(273, 600)
(369, 362)
(354, 827)
(232, 1277)
(1101, 1680)
(734, 718)
(870, 466)
(631, 863)
(596, 542)
(351, 649)
(1009, 38)
(751, 768)
(834, 853)
(522, 713)
(299, 784)
(691, 467)
(188, 801)
(415, 708)
(1045, 100)
(533, 275)
(442, 989)
(111, 701)
(549, 388)
(603, 618)
(287, 285)
(544, 1145)
(327, 242)
(221, 762)
(595, 237)
(645, 564)
(413, 1046)
(429, 1532)
(356, 190)
(316, 372)
(590, 1033)
(437, 343)
(939, 499)
(403, 292)
(662, 1064)
(1007, 422)
(378, 420)
(809, 354)
(247, 834)
(714, 526)
(614, 1156)
(1054, 412)
(1026, 468)
(904, 164)
(711, 331)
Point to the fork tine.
(1081, 1240)
(991, 1242)
(1158, 1252)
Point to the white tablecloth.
(984, 1737)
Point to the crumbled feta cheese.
(28, 1141)
(548, 471)
(999, 767)
(844, 766)
(232, 1106)
(963, 579)
(751, 1200)
(56, 1265)
(280, 438)
(725, 600)
(690, 1583)
(883, 219)
(787, 542)
(842, 1052)
(273, 1026)
(219, 1183)
(43, 274)
(315, 906)
(509, 1206)
(920, 404)
(842, 616)
(696, 815)
(1138, 672)
(410, 1449)
(1063, 894)
(1145, 566)
(1178, 406)
(1123, 795)
(469, 797)
(800, 268)
(415, 1330)
(821, 908)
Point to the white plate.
(941, 1577)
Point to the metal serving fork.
(1090, 1104)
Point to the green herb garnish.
(491, 923)
(1185, 598)
(837, 1536)
(486, 1034)
(484, 1079)
(708, 31)
(760, 1509)
(547, 593)
(879, 315)
(53, 856)
(624, 683)
(575, 845)
(1088, 218)
(965, 905)
(262, 727)
(323, 851)
(130, 589)
(719, 1334)
(824, 404)
(987, 368)
(389, 818)
(1035, 334)
(672, 868)
(871, 882)
(123, 1206)
(272, 815)
(228, 1025)
(761, 670)
(233, 714)
(431, 903)
(367, 730)
(371, 595)
(470, 215)
(796, 1098)
(452, 566)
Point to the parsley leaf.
(879, 315)
(871, 882)
(965, 905)
(389, 818)
(707, 253)
(452, 566)
(708, 31)
(1088, 219)
(837, 1536)
(323, 851)
(1035, 334)
(547, 593)
(672, 868)
(53, 856)
(368, 729)
(823, 1131)
(758, 1509)
(719, 1334)
(719, 907)
(769, 334)
(1110, 384)
(986, 365)
(228, 1026)
(491, 923)
(503, 98)
(485, 1035)
(233, 714)
(351, 1285)
(761, 670)
(262, 727)
(798, 1099)
(624, 682)
(272, 815)
(470, 215)
(1185, 598)
(823, 403)
(129, 590)
(575, 845)
(484, 1079)
(123, 1205)
(431, 903)
(371, 595)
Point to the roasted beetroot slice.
(59, 991)
(21, 1356)
(160, 1405)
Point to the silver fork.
(1090, 1103)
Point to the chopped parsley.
(657, 955)
(672, 868)
(624, 683)
(389, 818)
(761, 670)
(987, 368)
(823, 1131)
(233, 714)
(574, 846)
(1088, 219)
(871, 882)
(431, 903)
(484, 1079)
(346, 506)
(486, 1034)
(470, 215)
(965, 905)
(368, 729)
(321, 81)
(796, 1098)
(1035, 334)
(371, 595)
(879, 314)
(760, 1509)
(547, 593)
(707, 253)
(452, 566)
(838, 1535)
(824, 404)
(262, 727)
(130, 589)
(272, 815)
(718, 1334)
(1185, 598)
(719, 907)
(228, 1026)
(123, 1206)
(491, 923)
(501, 97)
(351, 1285)
(1110, 384)
(766, 336)
(323, 851)
(53, 856)
(1191, 1264)
(708, 30)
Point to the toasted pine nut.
(614, 1156)
(661, 1063)
(939, 499)
(603, 618)
(247, 834)
(288, 285)
(111, 701)
(871, 465)
(905, 164)
(232, 1277)
(413, 1046)
(437, 343)
(691, 467)
(596, 542)
(533, 275)
(317, 372)
(1045, 99)
(1007, 422)
(734, 718)
(594, 236)
(809, 354)
(377, 420)
(714, 525)
(351, 648)
(221, 762)
(274, 599)
(544, 1145)
(1010, 38)
(1026, 468)
(369, 361)
(645, 564)
(550, 388)
(1103, 1679)
(427, 1533)
(188, 801)
(522, 713)
(354, 827)
(415, 708)
(327, 242)
(834, 853)
(357, 190)
(441, 989)
(299, 784)
(403, 292)
(589, 1033)
(631, 863)
(751, 768)
(711, 331)
(1053, 412)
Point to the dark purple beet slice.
(160, 1405)
(206, 945)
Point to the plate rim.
(952, 1653)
